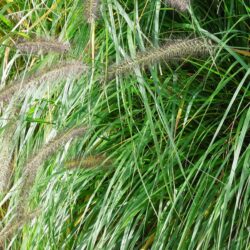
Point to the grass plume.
(181, 5)
(59, 72)
(42, 46)
(18, 223)
(32, 166)
(91, 10)
(181, 49)
(6, 152)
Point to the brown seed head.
(57, 73)
(181, 5)
(91, 10)
(32, 167)
(6, 152)
(18, 223)
(90, 161)
(171, 52)
(43, 46)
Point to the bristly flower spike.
(91, 10)
(171, 52)
(18, 223)
(90, 161)
(59, 72)
(43, 46)
(181, 5)
(6, 152)
(32, 166)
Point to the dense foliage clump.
(124, 124)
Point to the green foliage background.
(176, 136)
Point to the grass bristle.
(36, 161)
(179, 50)
(91, 10)
(181, 5)
(50, 148)
(57, 73)
(42, 46)
(18, 223)
(6, 152)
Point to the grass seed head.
(181, 5)
(36, 161)
(6, 152)
(171, 52)
(59, 72)
(91, 10)
(18, 223)
(43, 46)
(50, 148)
(90, 161)
(62, 71)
